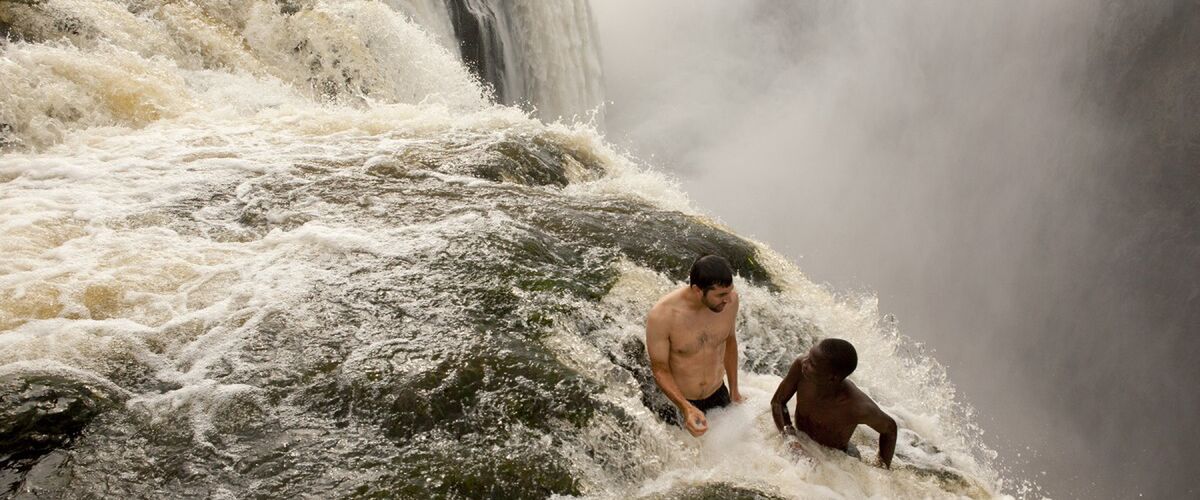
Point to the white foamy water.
(742, 446)
(136, 142)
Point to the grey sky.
(1011, 178)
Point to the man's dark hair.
(709, 271)
(843, 359)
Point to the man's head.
(831, 360)
(711, 279)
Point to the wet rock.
(665, 241)
(526, 160)
(455, 468)
(713, 491)
(44, 479)
(289, 7)
(36, 21)
(534, 162)
(632, 357)
(42, 410)
(7, 137)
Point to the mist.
(1018, 182)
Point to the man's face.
(814, 365)
(717, 297)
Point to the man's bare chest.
(693, 337)
(823, 416)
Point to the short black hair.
(843, 359)
(709, 271)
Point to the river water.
(294, 249)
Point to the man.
(829, 407)
(692, 347)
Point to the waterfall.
(536, 54)
(291, 249)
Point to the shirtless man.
(829, 407)
(692, 347)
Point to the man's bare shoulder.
(664, 312)
(861, 403)
(667, 304)
(853, 392)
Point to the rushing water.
(259, 249)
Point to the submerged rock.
(42, 410)
(36, 21)
(712, 491)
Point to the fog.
(1017, 181)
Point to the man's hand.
(736, 397)
(794, 445)
(694, 421)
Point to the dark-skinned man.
(829, 407)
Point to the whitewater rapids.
(260, 249)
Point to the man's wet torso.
(698, 349)
(830, 421)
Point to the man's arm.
(731, 367)
(885, 425)
(783, 394)
(658, 346)
(731, 356)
